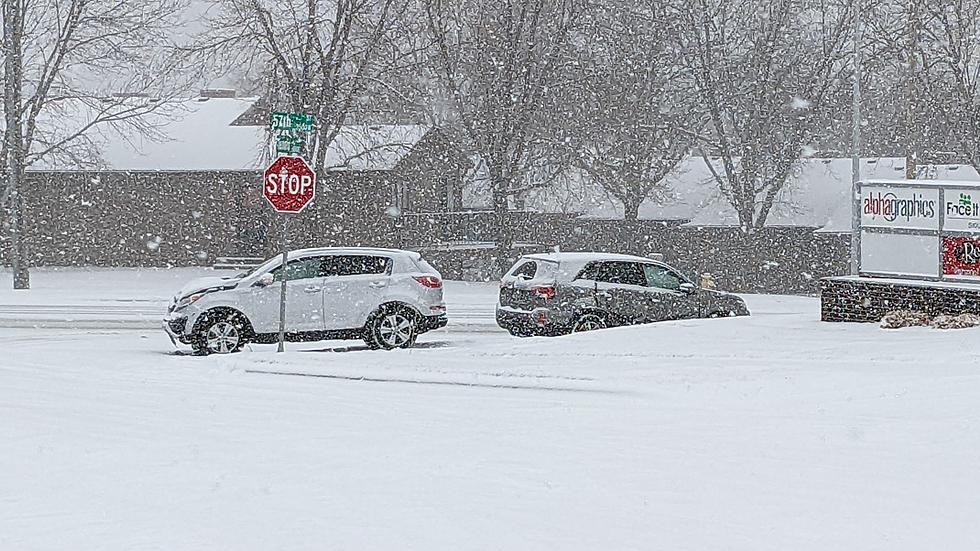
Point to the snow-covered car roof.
(570, 264)
(353, 250)
(582, 257)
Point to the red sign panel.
(289, 184)
(961, 256)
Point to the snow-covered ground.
(769, 432)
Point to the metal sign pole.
(855, 252)
(282, 291)
(288, 130)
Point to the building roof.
(816, 194)
(198, 135)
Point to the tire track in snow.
(434, 383)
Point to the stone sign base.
(865, 299)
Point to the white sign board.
(900, 208)
(961, 209)
(900, 254)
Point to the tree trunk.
(746, 217)
(631, 209)
(13, 140)
(502, 232)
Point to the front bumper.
(177, 327)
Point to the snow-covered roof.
(930, 183)
(816, 195)
(839, 220)
(197, 134)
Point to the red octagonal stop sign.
(289, 184)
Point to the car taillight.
(432, 282)
(546, 293)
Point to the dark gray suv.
(559, 293)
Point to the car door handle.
(603, 294)
(377, 284)
(312, 289)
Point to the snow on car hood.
(210, 282)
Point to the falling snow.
(712, 147)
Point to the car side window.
(661, 277)
(589, 272)
(526, 270)
(350, 265)
(622, 273)
(303, 268)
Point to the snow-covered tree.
(70, 66)
(950, 76)
(629, 123)
(502, 65)
(761, 72)
(320, 57)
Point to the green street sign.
(297, 122)
(288, 143)
(289, 131)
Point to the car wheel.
(392, 328)
(588, 322)
(223, 334)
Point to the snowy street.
(769, 432)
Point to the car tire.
(391, 328)
(221, 333)
(589, 322)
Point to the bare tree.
(951, 71)
(59, 57)
(320, 57)
(629, 123)
(762, 72)
(501, 63)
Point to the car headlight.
(188, 300)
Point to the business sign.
(898, 254)
(900, 208)
(961, 257)
(961, 210)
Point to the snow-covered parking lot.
(769, 432)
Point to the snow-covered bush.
(897, 319)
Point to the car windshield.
(254, 269)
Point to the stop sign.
(289, 184)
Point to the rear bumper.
(540, 321)
(428, 323)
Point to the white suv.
(385, 296)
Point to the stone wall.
(789, 260)
(866, 300)
(191, 218)
(155, 218)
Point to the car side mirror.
(688, 288)
(265, 280)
